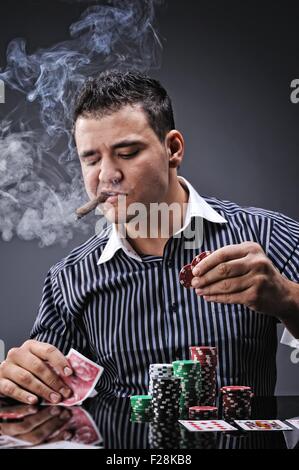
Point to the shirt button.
(170, 263)
(174, 307)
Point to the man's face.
(121, 153)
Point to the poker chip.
(158, 371)
(186, 276)
(207, 357)
(200, 257)
(141, 406)
(203, 412)
(236, 402)
(189, 372)
(166, 398)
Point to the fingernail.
(54, 397)
(32, 409)
(67, 435)
(55, 411)
(67, 371)
(32, 399)
(65, 392)
(65, 415)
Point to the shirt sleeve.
(284, 252)
(54, 323)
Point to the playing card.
(207, 425)
(82, 428)
(262, 425)
(294, 422)
(9, 442)
(86, 374)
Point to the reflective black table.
(106, 423)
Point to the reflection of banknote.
(64, 445)
(86, 374)
(81, 427)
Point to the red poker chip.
(186, 275)
(235, 389)
(200, 257)
(203, 408)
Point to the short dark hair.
(113, 89)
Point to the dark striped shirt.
(125, 311)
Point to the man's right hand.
(25, 374)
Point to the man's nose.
(109, 172)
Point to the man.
(118, 300)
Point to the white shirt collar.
(197, 207)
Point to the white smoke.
(40, 178)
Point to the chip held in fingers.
(186, 274)
(200, 257)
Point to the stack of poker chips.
(190, 374)
(163, 436)
(207, 357)
(141, 406)
(158, 371)
(166, 398)
(203, 412)
(236, 402)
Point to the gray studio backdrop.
(228, 69)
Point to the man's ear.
(175, 145)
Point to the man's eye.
(128, 155)
(92, 163)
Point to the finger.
(236, 298)
(43, 372)
(49, 353)
(230, 269)
(31, 422)
(222, 255)
(61, 436)
(40, 434)
(20, 410)
(226, 286)
(25, 380)
(10, 389)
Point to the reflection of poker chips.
(200, 257)
(236, 402)
(186, 275)
(163, 436)
(207, 357)
(158, 371)
(197, 440)
(203, 412)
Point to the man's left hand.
(243, 274)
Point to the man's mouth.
(105, 196)
(111, 196)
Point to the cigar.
(90, 206)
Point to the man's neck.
(147, 245)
